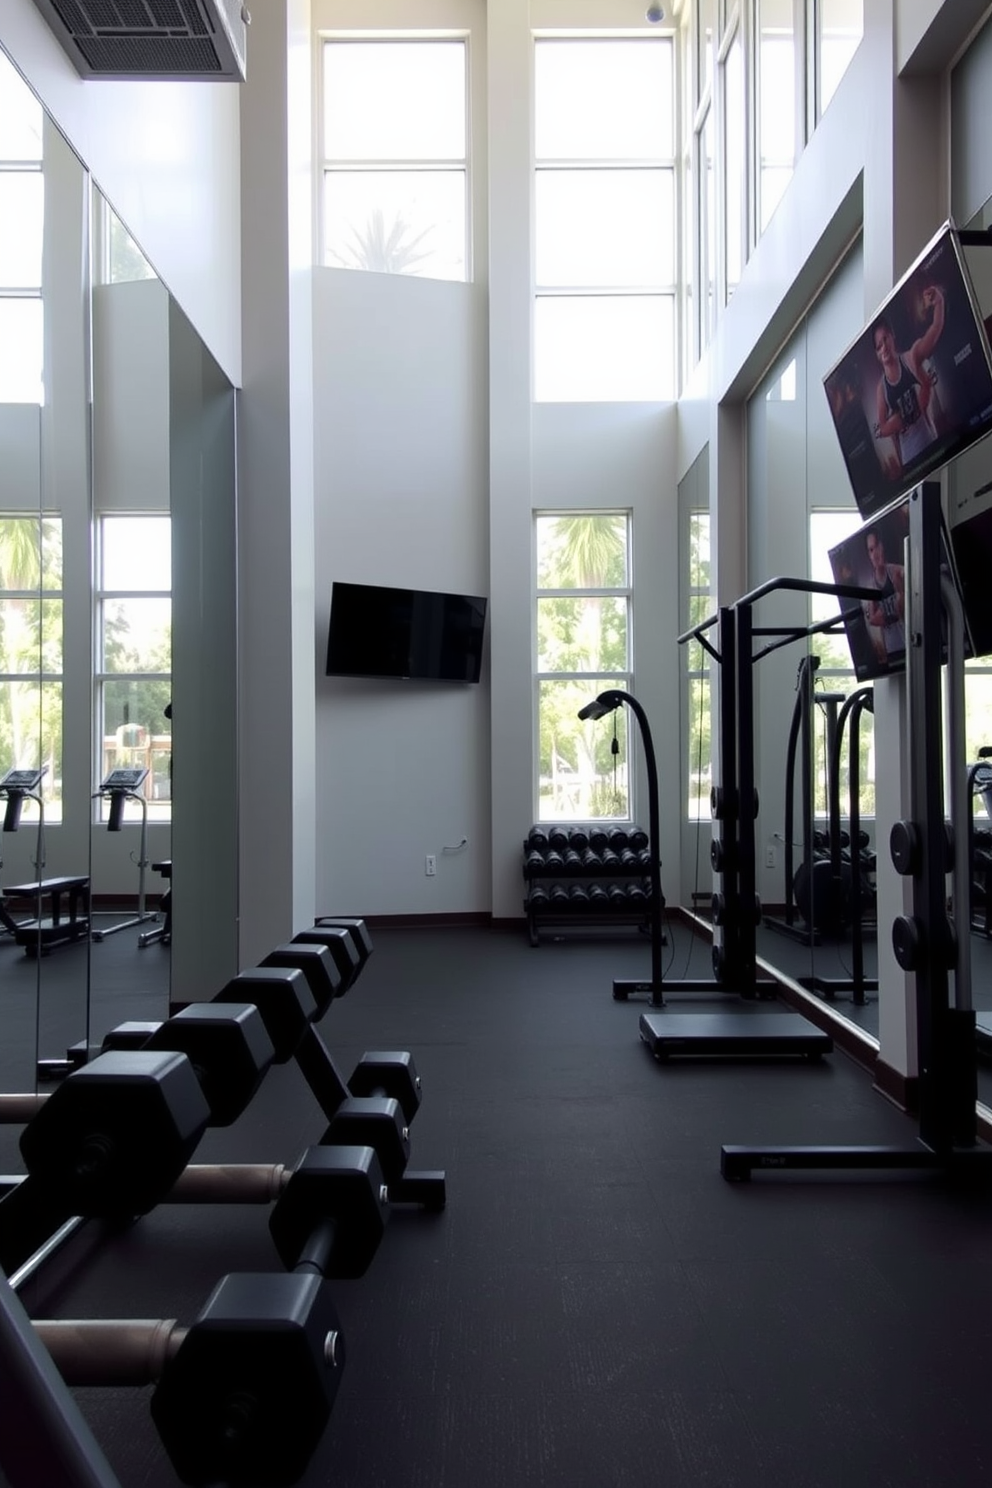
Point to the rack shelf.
(586, 876)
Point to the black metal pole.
(605, 702)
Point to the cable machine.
(925, 942)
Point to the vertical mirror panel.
(130, 847)
(44, 478)
(204, 547)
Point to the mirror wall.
(117, 601)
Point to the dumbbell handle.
(229, 1183)
(18, 1109)
(261, 1183)
(318, 1253)
(111, 1351)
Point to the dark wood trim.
(902, 1090)
(431, 921)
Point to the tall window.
(840, 26)
(583, 647)
(117, 259)
(134, 652)
(395, 157)
(835, 674)
(31, 651)
(605, 220)
(777, 118)
(22, 213)
(696, 606)
(735, 160)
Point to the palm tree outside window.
(583, 629)
(31, 651)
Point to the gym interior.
(568, 1290)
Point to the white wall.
(431, 458)
(165, 154)
(403, 767)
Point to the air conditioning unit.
(145, 39)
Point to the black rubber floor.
(596, 1306)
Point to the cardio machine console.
(21, 780)
(123, 780)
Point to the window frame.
(670, 292)
(688, 674)
(159, 808)
(34, 294)
(619, 679)
(324, 167)
(39, 676)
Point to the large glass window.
(117, 259)
(840, 26)
(395, 157)
(735, 157)
(697, 606)
(22, 215)
(605, 220)
(31, 651)
(777, 119)
(835, 673)
(134, 653)
(583, 647)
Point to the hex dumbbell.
(356, 928)
(111, 1140)
(338, 940)
(318, 966)
(227, 1044)
(243, 1395)
(284, 999)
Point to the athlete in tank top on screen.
(885, 616)
(903, 401)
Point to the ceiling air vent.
(202, 39)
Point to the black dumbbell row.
(87, 1156)
(580, 897)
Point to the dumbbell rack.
(559, 861)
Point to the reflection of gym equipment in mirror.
(831, 894)
(980, 841)
(16, 787)
(119, 786)
(162, 933)
(926, 942)
(736, 907)
(850, 858)
(810, 907)
(40, 934)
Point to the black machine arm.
(605, 703)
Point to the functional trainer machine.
(925, 942)
(744, 1032)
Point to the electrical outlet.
(430, 865)
(770, 855)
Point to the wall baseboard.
(431, 921)
(902, 1090)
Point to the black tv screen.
(915, 388)
(407, 633)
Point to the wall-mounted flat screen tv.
(872, 558)
(406, 633)
(915, 388)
